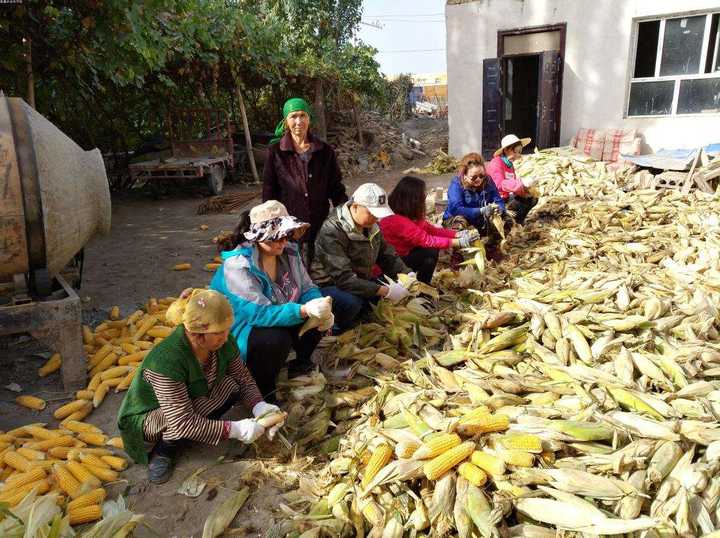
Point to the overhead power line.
(404, 15)
(409, 20)
(410, 50)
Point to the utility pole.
(29, 71)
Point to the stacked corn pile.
(70, 464)
(576, 388)
(442, 163)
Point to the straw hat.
(509, 141)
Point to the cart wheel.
(215, 179)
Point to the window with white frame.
(677, 66)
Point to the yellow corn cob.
(20, 479)
(104, 364)
(14, 496)
(116, 462)
(103, 473)
(521, 441)
(117, 442)
(116, 371)
(69, 408)
(484, 424)
(380, 457)
(76, 453)
(142, 344)
(84, 394)
(133, 357)
(3, 446)
(31, 402)
(115, 312)
(7, 438)
(100, 394)
(548, 456)
(66, 481)
(439, 465)
(6, 473)
(160, 331)
(94, 382)
(488, 463)
(96, 359)
(101, 327)
(100, 341)
(83, 475)
(95, 496)
(31, 454)
(59, 452)
(144, 327)
(80, 427)
(114, 382)
(88, 337)
(47, 444)
(478, 412)
(437, 445)
(125, 384)
(132, 318)
(82, 413)
(85, 514)
(518, 458)
(16, 461)
(129, 348)
(405, 449)
(181, 267)
(97, 439)
(374, 514)
(91, 459)
(40, 432)
(54, 363)
(474, 475)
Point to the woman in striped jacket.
(186, 383)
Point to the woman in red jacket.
(509, 185)
(415, 240)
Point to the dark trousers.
(268, 349)
(521, 206)
(349, 310)
(423, 262)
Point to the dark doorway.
(520, 92)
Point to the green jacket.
(172, 358)
(344, 255)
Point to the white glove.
(529, 182)
(412, 274)
(318, 308)
(396, 292)
(487, 211)
(246, 430)
(263, 408)
(327, 323)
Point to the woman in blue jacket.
(271, 294)
(472, 199)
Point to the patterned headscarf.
(270, 221)
(201, 311)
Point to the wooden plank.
(688, 181)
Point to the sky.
(412, 38)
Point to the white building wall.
(597, 67)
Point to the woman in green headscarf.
(302, 171)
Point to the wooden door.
(492, 106)
(549, 99)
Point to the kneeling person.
(185, 384)
(347, 248)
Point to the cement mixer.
(54, 197)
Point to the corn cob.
(53, 364)
(31, 454)
(14, 496)
(90, 459)
(437, 445)
(95, 496)
(104, 364)
(521, 441)
(103, 473)
(66, 481)
(97, 439)
(117, 442)
(115, 312)
(85, 514)
(84, 394)
(20, 479)
(380, 457)
(518, 458)
(473, 474)
(82, 474)
(484, 424)
(16, 461)
(81, 413)
(80, 427)
(31, 402)
(114, 382)
(59, 452)
(488, 463)
(40, 432)
(125, 383)
(374, 514)
(160, 331)
(68, 409)
(96, 359)
(405, 449)
(116, 462)
(100, 393)
(145, 326)
(94, 383)
(76, 453)
(115, 371)
(87, 335)
(439, 465)
(62, 440)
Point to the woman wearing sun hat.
(271, 294)
(348, 247)
(509, 185)
(302, 171)
(186, 383)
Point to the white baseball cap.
(374, 198)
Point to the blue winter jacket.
(250, 292)
(468, 203)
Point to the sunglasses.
(476, 177)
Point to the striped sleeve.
(181, 420)
(249, 392)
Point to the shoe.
(160, 468)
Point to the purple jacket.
(304, 188)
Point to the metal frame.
(56, 324)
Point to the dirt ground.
(125, 268)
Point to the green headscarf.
(295, 104)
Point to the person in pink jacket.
(508, 184)
(415, 240)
